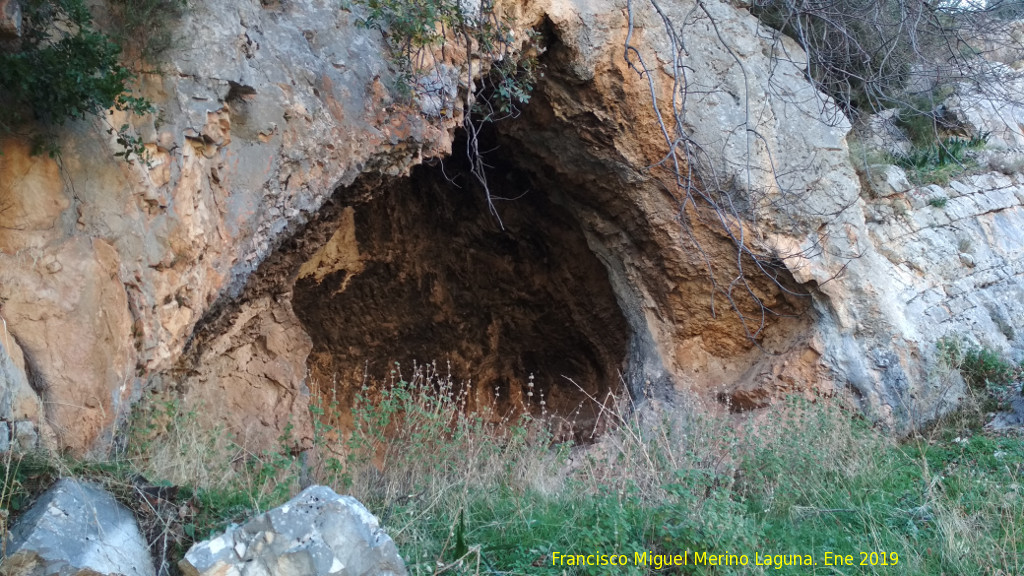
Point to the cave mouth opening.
(423, 272)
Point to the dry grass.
(481, 491)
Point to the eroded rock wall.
(778, 149)
(267, 111)
(262, 111)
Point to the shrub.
(64, 70)
(981, 367)
(985, 371)
(903, 55)
(873, 54)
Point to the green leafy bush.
(409, 25)
(63, 69)
(981, 367)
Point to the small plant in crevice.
(422, 33)
(941, 160)
(62, 68)
(984, 370)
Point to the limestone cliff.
(281, 231)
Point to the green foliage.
(989, 374)
(981, 367)
(63, 70)
(939, 161)
(510, 83)
(409, 25)
(938, 154)
(938, 202)
(412, 28)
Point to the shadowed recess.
(424, 272)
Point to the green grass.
(940, 160)
(817, 480)
(825, 483)
(499, 493)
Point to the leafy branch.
(62, 69)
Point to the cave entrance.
(424, 272)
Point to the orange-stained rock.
(32, 197)
(252, 377)
(73, 325)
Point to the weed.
(943, 153)
(979, 366)
(985, 371)
(938, 202)
(939, 161)
(24, 477)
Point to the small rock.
(5, 437)
(314, 534)
(25, 436)
(887, 180)
(1010, 419)
(76, 529)
(967, 260)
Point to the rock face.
(251, 250)
(21, 412)
(950, 265)
(317, 533)
(77, 529)
(107, 267)
(10, 18)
